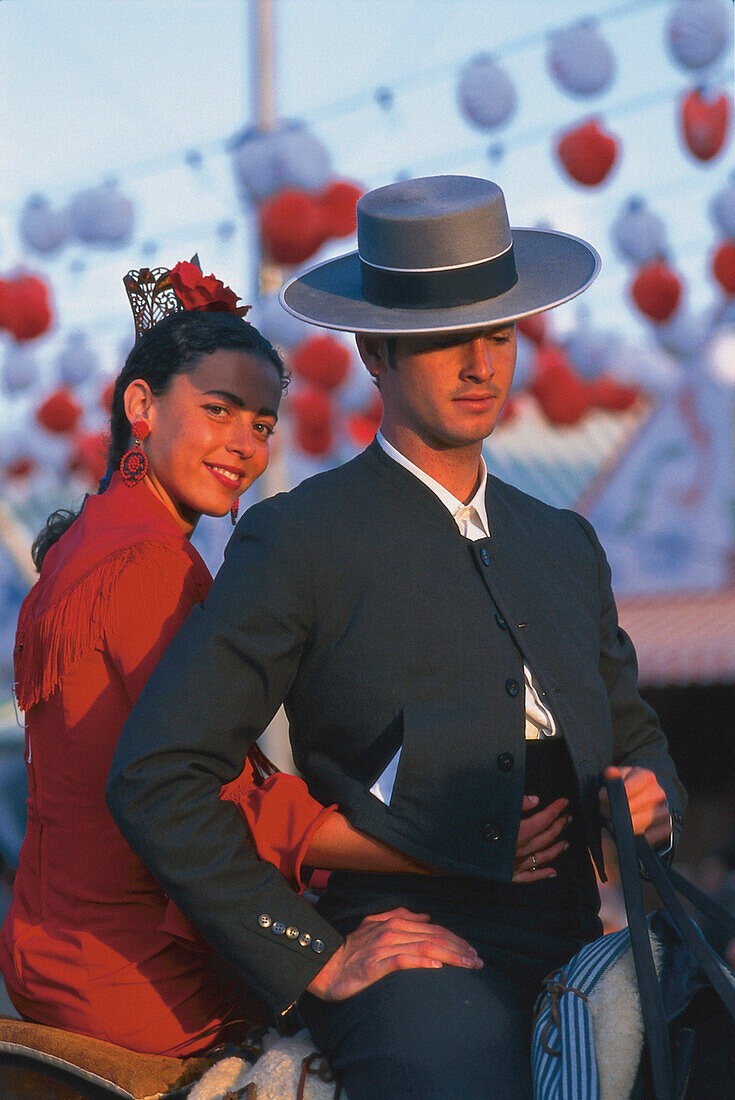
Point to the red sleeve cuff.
(282, 818)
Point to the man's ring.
(533, 862)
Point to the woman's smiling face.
(209, 432)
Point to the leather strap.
(705, 955)
(652, 1008)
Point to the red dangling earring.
(234, 510)
(134, 463)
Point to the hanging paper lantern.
(723, 266)
(656, 291)
(25, 309)
(684, 335)
(102, 216)
(588, 350)
(534, 328)
(323, 361)
(639, 234)
(486, 95)
(289, 158)
(338, 204)
(363, 425)
(697, 32)
(20, 370)
(76, 362)
(59, 413)
(313, 412)
(704, 124)
(607, 393)
(722, 209)
(561, 393)
(292, 227)
(580, 60)
(587, 153)
(42, 229)
(89, 456)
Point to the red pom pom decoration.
(608, 393)
(59, 413)
(559, 390)
(704, 124)
(292, 226)
(587, 154)
(533, 328)
(363, 426)
(656, 291)
(89, 456)
(25, 309)
(323, 361)
(313, 411)
(723, 266)
(338, 204)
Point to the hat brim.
(552, 268)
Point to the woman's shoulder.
(113, 565)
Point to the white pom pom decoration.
(486, 95)
(20, 371)
(42, 229)
(638, 234)
(684, 336)
(76, 362)
(697, 32)
(589, 349)
(102, 216)
(722, 209)
(290, 157)
(580, 60)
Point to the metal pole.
(267, 279)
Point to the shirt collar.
(452, 503)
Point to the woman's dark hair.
(173, 346)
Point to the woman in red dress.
(91, 942)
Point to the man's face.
(448, 389)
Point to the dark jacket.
(355, 600)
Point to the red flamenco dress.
(91, 942)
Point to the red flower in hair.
(203, 292)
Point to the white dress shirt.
(472, 521)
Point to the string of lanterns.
(287, 176)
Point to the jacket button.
(511, 686)
(485, 556)
(264, 920)
(291, 932)
(506, 760)
(500, 621)
(305, 939)
(491, 831)
(318, 946)
(278, 927)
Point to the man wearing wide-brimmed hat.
(449, 655)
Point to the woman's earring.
(134, 463)
(234, 510)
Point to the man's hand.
(538, 843)
(397, 940)
(648, 808)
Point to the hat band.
(440, 288)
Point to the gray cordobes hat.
(438, 254)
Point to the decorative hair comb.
(155, 293)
